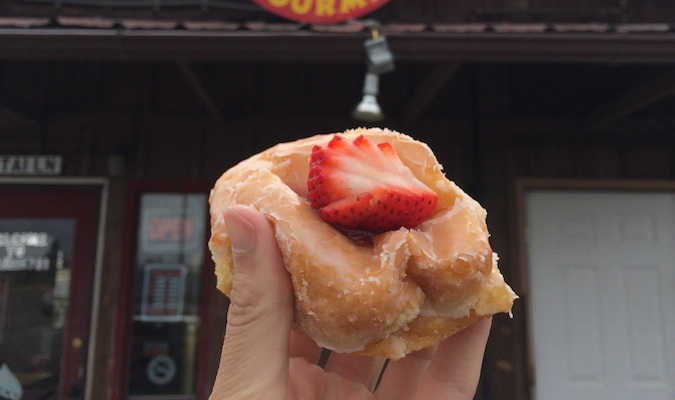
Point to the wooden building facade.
(148, 106)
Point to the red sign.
(163, 292)
(170, 228)
(321, 11)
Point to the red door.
(48, 246)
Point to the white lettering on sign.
(16, 257)
(30, 165)
(33, 239)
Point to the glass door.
(166, 296)
(48, 241)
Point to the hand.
(263, 359)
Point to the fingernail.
(240, 230)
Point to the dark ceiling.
(589, 96)
(518, 71)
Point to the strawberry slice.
(364, 186)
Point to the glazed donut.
(404, 290)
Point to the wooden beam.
(633, 100)
(7, 113)
(433, 83)
(200, 91)
(310, 46)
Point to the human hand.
(263, 359)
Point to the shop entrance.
(48, 252)
(166, 293)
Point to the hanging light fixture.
(379, 60)
(368, 109)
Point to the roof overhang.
(311, 46)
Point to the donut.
(398, 291)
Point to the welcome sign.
(321, 11)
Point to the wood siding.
(187, 150)
(490, 125)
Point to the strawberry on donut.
(364, 186)
(386, 255)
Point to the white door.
(602, 294)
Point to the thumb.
(260, 316)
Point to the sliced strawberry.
(365, 186)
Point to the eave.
(45, 43)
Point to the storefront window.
(35, 261)
(165, 308)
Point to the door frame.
(102, 184)
(210, 298)
(525, 364)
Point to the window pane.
(165, 311)
(35, 269)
